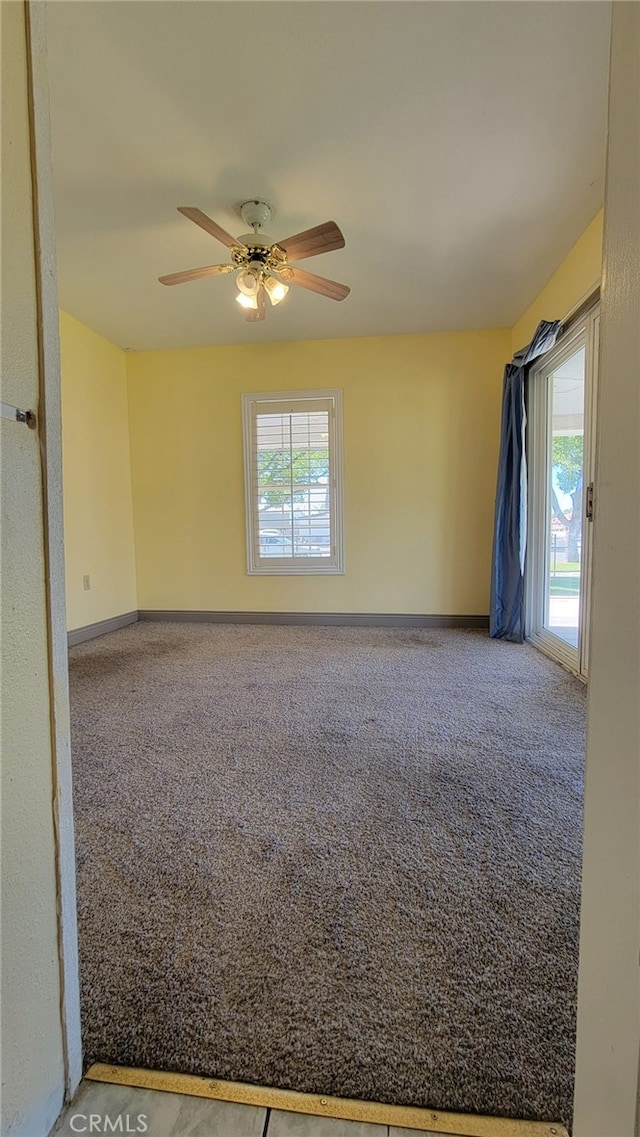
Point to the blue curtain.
(510, 531)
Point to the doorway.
(562, 402)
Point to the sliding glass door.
(561, 445)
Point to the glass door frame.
(583, 332)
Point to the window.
(561, 412)
(293, 481)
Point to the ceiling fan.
(261, 265)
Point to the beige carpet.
(331, 859)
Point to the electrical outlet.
(86, 580)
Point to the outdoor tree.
(284, 475)
(567, 461)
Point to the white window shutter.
(293, 482)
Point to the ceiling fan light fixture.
(246, 301)
(276, 289)
(248, 280)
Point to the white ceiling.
(459, 146)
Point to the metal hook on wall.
(16, 415)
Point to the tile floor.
(100, 1108)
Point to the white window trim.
(285, 566)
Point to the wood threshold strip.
(317, 1105)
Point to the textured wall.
(32, 1059)
(98, 513)
(609, 996)
(421, 424)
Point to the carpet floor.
(336, 860)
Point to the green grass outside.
(564, 586)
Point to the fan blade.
(195, 273)
(314, 283)
(209, 226)
(321, 239)
(255, 314)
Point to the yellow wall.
(421, 421)
(578, 276)
(98, 513)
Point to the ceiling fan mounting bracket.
(255, 213)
